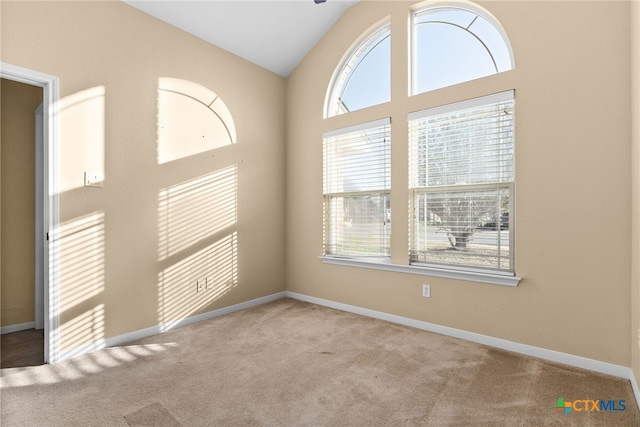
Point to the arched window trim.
(461, 5)
(449, 269)
(353, 57)
(493, 60)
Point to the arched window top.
(454, 44)
(363, 78)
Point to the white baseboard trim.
(143, 333)
(541, 353)
(550, 355)
(634, 386)
(17, 327)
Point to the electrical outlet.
(426, 291)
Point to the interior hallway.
(23, 348)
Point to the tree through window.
(462, 182)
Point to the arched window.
(452, 45)
(364, 78)
(461, 155)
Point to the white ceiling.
(275, 34)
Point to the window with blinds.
(356, 187)
(461, 174)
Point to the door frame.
(50, 199)
(39, 219)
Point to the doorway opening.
(45, 212)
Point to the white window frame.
(354, 56)
(443, 6)
(331, 170)
(504, 181)
(385, 263)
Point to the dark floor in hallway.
(23, 348)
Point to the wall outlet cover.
(426, 291)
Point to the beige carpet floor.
(290, 363)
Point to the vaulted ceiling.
(274, 34)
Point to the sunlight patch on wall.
(82, 133)
(81, 246)
(191, 120)
(79, 263)
(197, 280)
(194, 210)
(84, 329)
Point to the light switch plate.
(93, 180)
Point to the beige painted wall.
(134, 251)
(573, 180)
(125, 266)
(635, 161)
(17, 145)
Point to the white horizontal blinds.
(461, 176)
(357, 182)
(465, 228)
(470, 144)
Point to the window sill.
(386, 265)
